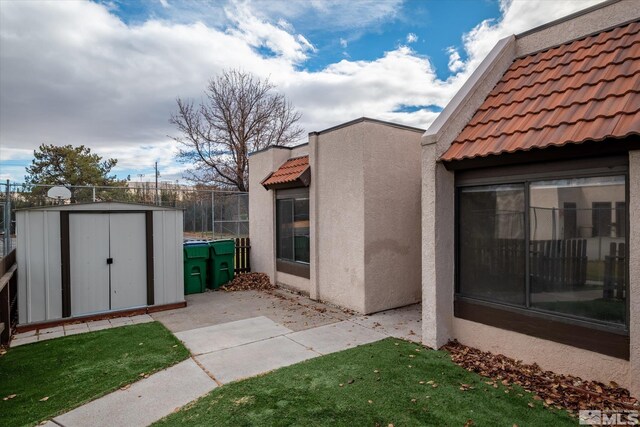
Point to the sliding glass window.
(292, 216)
(561, 252)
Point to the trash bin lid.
(223, 247)
(196, 250)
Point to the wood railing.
(243, 261)
(8, 296)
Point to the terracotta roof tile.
(290, 171)
(588, 89)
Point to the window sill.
(294, 268)
(615, 344)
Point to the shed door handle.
(109, 260)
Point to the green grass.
(379, 382)
(76, 369)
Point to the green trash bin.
(196, 258)
(221, 262)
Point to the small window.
(601, 219)
(292, 217)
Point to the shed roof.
(587, 89)
(294, 172)
(102, 206)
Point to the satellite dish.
(59, 193)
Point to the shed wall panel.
(38, 257)
(167, 252)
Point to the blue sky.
(106, 74)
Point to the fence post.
(93, 190)
(213, 215)
(7, 220)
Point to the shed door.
(108, 256)
(88, 252)
(129, 253)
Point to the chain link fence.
(208, 213)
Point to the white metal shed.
(90, 259)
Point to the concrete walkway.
(232, 351)
(76, 328)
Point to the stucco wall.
(339, 183)
(262, 210)
(634, 271)
(392, 244)
(294, 283)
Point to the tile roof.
(292, 171)
(587, 89)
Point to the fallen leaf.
(341, 385)
(531, 405)
(421, 382)
(350, 381)
(11, 396)
(375, 371)
(44, 399)
(469, 423)
(412, 355)
(370, 401)
(413, 400)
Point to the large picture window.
(292, 217)
(554, 246)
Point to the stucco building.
(338, 218)
(530, 197)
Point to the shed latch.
(109, 260)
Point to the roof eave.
(474, 91)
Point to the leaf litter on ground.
(560, 391)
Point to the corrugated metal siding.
(39, 258)
(167, 246)
(588, 89)
(39, 274)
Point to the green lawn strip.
(73, 370)
(309, 394)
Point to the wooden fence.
(243, 261)
(558, 265)
(615, 271)
(8, 296)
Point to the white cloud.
(455, 62)
(412, 38)
(344, 43)
(85, 77)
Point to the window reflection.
(492, 256)
(577, 247)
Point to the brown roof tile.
(291, 171)
(588, 89)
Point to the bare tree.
(239, 114)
